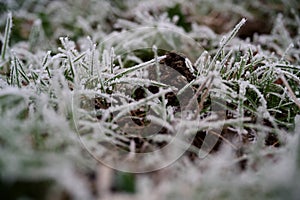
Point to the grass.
(68, 104)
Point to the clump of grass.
(80, 89)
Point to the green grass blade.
(6, 35)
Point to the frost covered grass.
(71, 78)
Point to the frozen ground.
(149, 99)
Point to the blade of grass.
(134, 68)
(6, 35)
(225, 41)
(292, 94)
(21, 69)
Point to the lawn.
(153, 100)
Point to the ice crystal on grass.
(79, 85)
